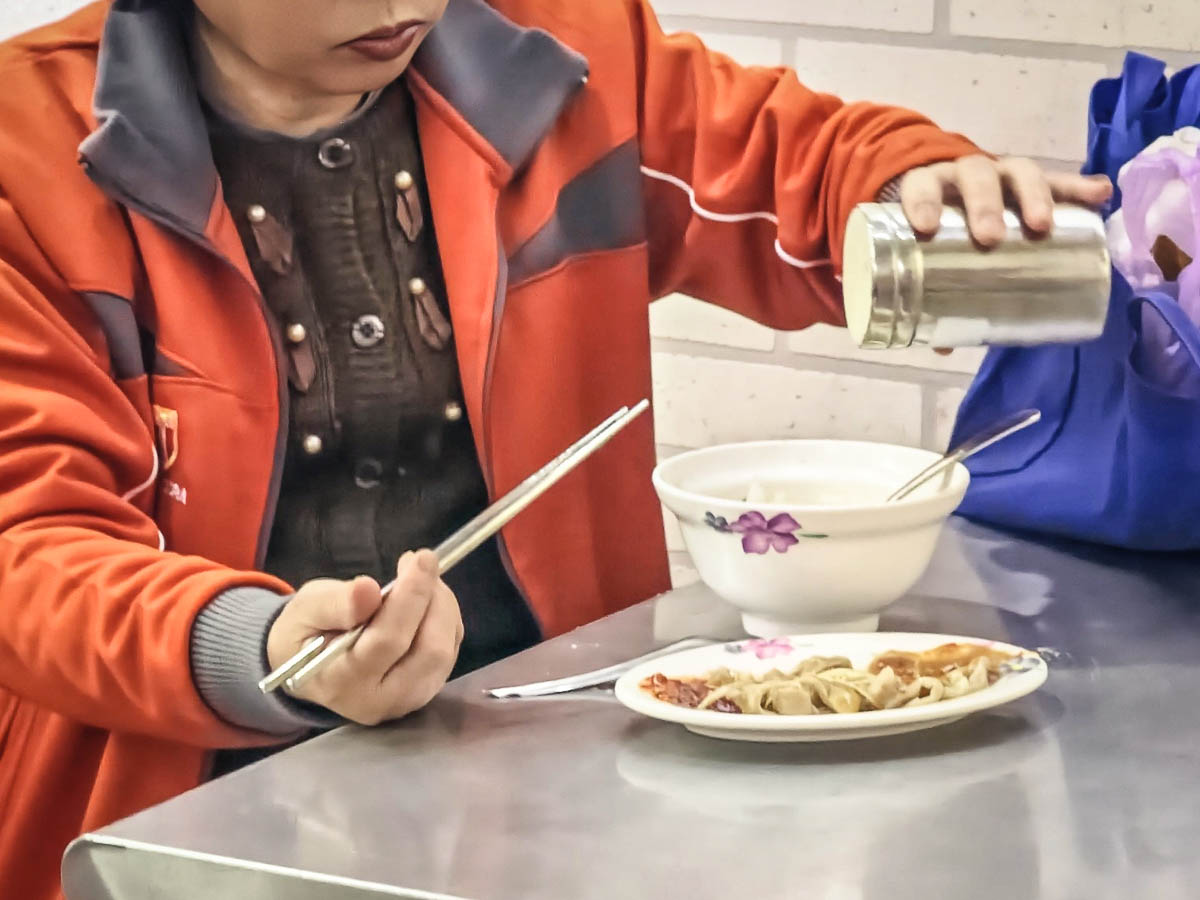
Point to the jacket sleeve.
(96, 620)
(750, 177)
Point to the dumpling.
(758, 493)
(960, 682)
(915, 693)
(830, 684)
(881, 691)
(791, 699)
(746, 694)
(718, 677)
(836, 696)
(814, 665)
(979, 673)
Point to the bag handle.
(1188, 111)
(1175, 317)
(1141, 76)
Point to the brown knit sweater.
(340, 236)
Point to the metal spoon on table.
(595, 678)
(1006, 427)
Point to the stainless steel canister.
(945, 291)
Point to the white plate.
(759, 656)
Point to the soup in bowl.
(797, 534)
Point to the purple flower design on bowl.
(760, 534)
(763, 649)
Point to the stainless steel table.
(1087, 789)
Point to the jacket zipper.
(277, 348)
(498, 305)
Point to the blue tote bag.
(1116, 457)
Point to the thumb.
(319, 606)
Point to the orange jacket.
(570, 188)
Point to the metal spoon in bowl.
(1004, 428)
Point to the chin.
(358, 76)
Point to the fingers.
(1090, 190)
(418, 677)
(321, 606)
(337, 605)
(1030, 187)
(391, 632)
(974, 179)
(406, 651)
(1037, 191)
(978, 182)
(981, 183)
(921, 195)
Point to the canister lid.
(878, 289)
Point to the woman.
(290, 287)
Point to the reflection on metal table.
(1084, 789)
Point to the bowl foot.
(769, 627)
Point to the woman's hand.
(404, 655)
(981, 184)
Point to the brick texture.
(685, 319)
(701, 401)
(20, 15)
(1008, 104)
(1169, 24)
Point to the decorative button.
(417, 287)
(313, 444)
(454, 411)
(367, 331)
(404, 181)
(335, 154)
(367, 473)
(296, 333)
(257, 214)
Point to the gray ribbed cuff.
(890, 192)
(229, 658)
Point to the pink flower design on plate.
(763, 649)
(760, 534)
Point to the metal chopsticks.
(317, 652)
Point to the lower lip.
(386, 49)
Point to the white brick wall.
(1021, 104)
(701, 401)
(19, 15)
(1013, 75)
(1171, 24)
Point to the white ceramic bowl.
(821, 551)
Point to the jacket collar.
(508, 83)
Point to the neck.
(241, 90)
